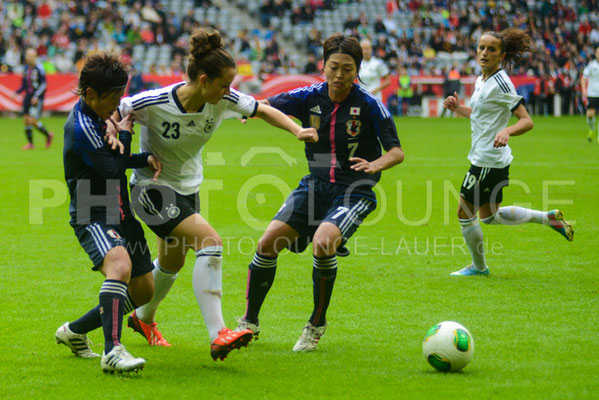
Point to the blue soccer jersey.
(93, 171)
(356, 127)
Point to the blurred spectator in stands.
(564, 85)
(12, 57)
(312, 65)
(314, 41)
(405, 92)
(63, 62)
(451, 85)
(373, 73)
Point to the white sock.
(514, 215)
(163, 281)
(473, 235)
(207, 287)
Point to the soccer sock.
(40, 127)
(324, 272)
(29, 133)
(592, 124)
(92, 319)
(113, 295)
(207, 287)
(514, 215)
(473, 236)
(261, 276)
(163, 281)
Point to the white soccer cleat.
(243, 324)
(119, 360)
(78, 343)
(309, 338)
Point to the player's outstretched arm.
(393, 157)
(278, 119)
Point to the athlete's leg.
(262, 269)
(196, 233)
(472, 233)
(171, 258)
(590, 121)
(28, 132)
(514, 215)
(116, 267)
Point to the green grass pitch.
(534, 320)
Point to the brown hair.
(339, 43)
(207, 54)
(103, 72)
(514, 43)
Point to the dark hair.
(103, 72)
(514, 43)
(207, 54)
(339, 43)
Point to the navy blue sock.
(29, 134)
(92, 320)
(261, 276)
(40, 127)
(113, 295)
(324, 273)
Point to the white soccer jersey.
(176, 137)
(591, 72)
(492, 102)
(371, 72)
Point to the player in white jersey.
(374, 74)
(493, 102)
(176, 123)
(590, 93)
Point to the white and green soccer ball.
(448, 346)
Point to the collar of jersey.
(178, 103)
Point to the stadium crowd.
(427, 37)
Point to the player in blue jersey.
(101, 215)
(34, 87)
(332, 201)
(493, 103)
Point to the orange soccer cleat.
(148, 331)
(228, 340)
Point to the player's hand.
(114, 143)
(363, 165)
(501, 139)
(452, 102)
(155, 165)
(308, 135)
(126, 124)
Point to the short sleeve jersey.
(176, 137)
(356, 127)
(371, 72)
(591, 72)
(492, 102)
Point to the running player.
(590, 93)
(101, 215)
(493, 103)
(332, 201)
(34, 86)
(176, 123)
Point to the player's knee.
(325, 246)
(266, 246)
(490, 220)
(117, 264)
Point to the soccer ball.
(448, 346)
